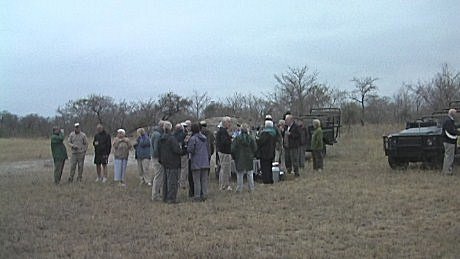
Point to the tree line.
(297, 90)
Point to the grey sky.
(55, 51)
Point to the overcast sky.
(55, 51)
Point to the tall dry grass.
(23, 149)
(16, 149)
(358, 207)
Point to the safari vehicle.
(421, 141)
(330, 124)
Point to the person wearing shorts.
(102, 145)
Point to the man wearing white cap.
(78, 145)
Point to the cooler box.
(276, 172)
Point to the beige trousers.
(225, 170)
(143, 166)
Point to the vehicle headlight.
(393, 141)
(429, 142)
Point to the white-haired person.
(143, 156)
(121, 146)
(266, 151)
(244, 150)
(317, 146)
(224, 149)
(450, 134)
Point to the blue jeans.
(239, 180)
(119, 167)
(200, 182)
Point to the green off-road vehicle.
(330, 124)
(421, 141)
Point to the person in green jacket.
(244, 151)
(59, 153)
(317, 146)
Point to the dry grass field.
(358, 207)
(16, 149)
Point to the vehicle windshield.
(421, 130)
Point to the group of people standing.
(283, 146)
(171, 152)
(183, 154)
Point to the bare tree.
(446, 87)
(338, 97)
(319, 95)
(380, 109)
(173, 106)
(9, 124)
(294, 87)
(364, 88)
(121, 114)
(418, 95)
(214, 109)
(145, 113)
(198, 103)
(235, 104)
(98, 104)
(35, 125)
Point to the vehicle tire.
(397, 164)
(436, 163)
(433, 163)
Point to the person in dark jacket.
(143, 155)
(244, 150)
(317, 146)
(169, 154)
(224, 149)
(102, 144)
(291, 145)
(59, 153)
(198, 149)
(266, 151)
(450, 133)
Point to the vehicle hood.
(419, 131)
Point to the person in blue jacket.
(143, 156)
